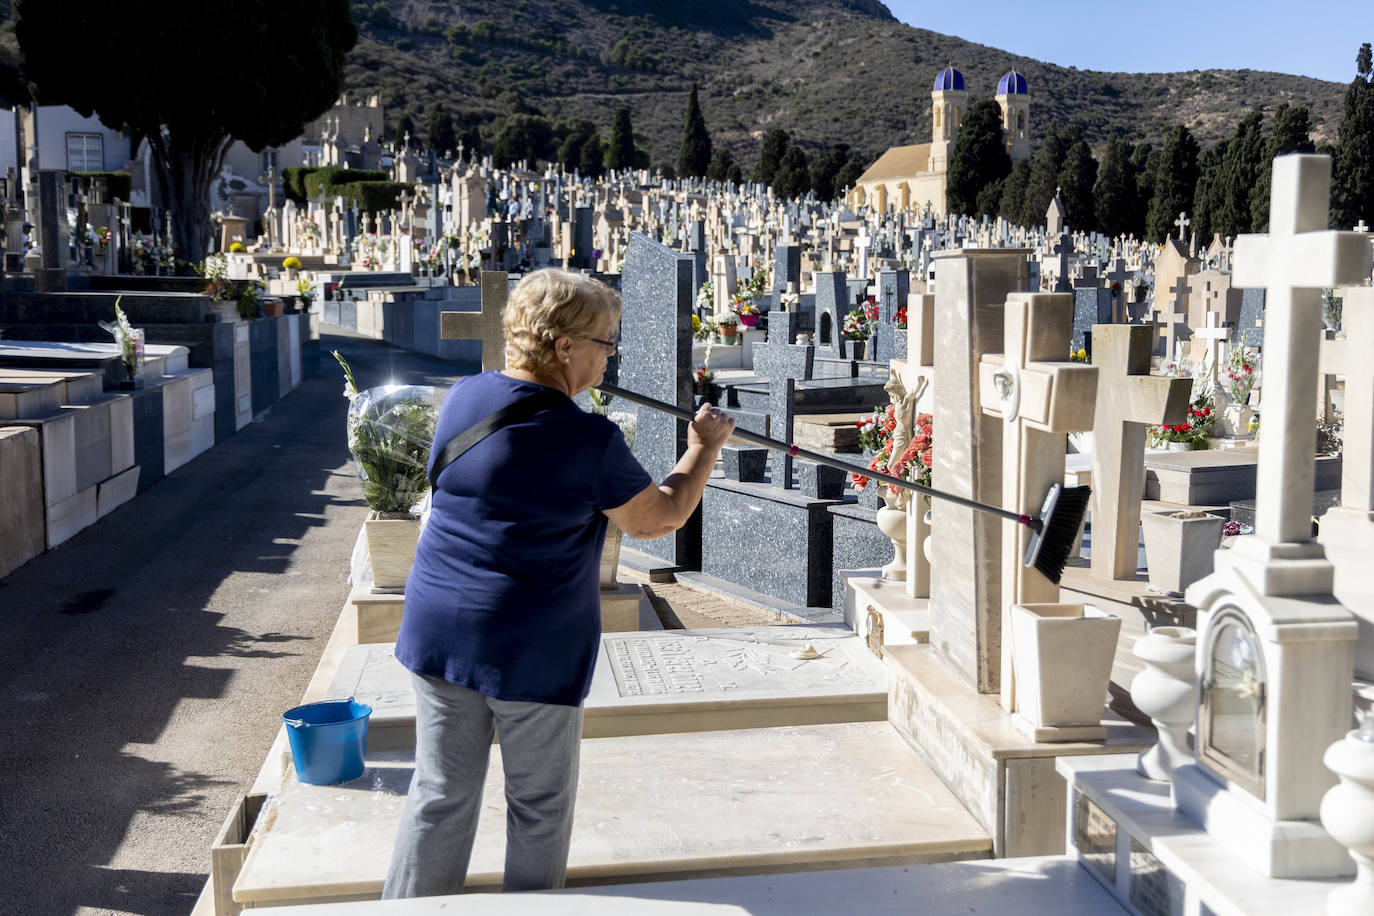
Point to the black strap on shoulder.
(522, 409)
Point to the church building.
(912, 177)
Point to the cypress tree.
(1353, 170)
(620, 152)
(1076, 178)
(1044, 177)
(1175, 182)
(775, 144)
(1114, 193)
(570, 151)
(793, 178)
(442, 139)
(719, 169)
(824, 169)
(1144, 168)
(1013, 198)
(1240, 168)
(404, 126)
(1209, 198)
(591, 160)
(978, 159)
(694, 157)
(1292, 134)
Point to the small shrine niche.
(1231, 720)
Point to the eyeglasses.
(612, 346)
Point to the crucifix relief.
(1128, 398)
(1040, 399)
(484, 325)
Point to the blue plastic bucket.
(328, 740)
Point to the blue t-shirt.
(504, 595)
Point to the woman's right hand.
(710, 428)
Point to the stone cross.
(484, 325)
(1361, 227)
(862, 243)
(1294, 263)
(1215, 335)
(1128, 398)
(1064, 248)
(1173, 319)
(1040, 400)
(1183, 222)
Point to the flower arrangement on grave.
(748, 315)
(129, 338)
(1201, 421)
(747, 296)
(875, 435)
(305, 289)
(858, 324)
(1234, 529)
(102, 236)
(390, 433)
(250, 298)
(900, 317)
(292, 263)
(1079, 356)
(308, 230)
(1240, 373)
(702, 330)
(916, 459)
(236, 248)
(703, 377)
(706, 297)
(215, 272)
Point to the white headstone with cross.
(1041, 398)
(1214, 335)
(1183, 222)
(484, 325)
(861, 244)
(1172, 317)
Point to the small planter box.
(1062, 655)
(1179, 551)
(391, 544)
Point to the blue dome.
(949, 78)
(1012, 83)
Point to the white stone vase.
(1234, 422)
(892, 523)
(391, 544)
(1062, 655)
(1347, 813)
(1179, 551)
(1164, 691)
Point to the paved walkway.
(144, 663)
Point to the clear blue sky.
(1316, 38)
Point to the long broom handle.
(797, 452)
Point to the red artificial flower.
(927, 457)
(890, 425)
(1247, 367)
(1181, 428)
(1206, 411)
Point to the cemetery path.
(146, 661)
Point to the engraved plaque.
(1094, 836)
(874, 623)
(1155, 891)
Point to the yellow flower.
(696, 323)
(1082, 354)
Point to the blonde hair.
(549, 304)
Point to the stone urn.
(1164, 692)
(1056, 701)
(1347, 813)
(892, 523)
(391, 541)
(1179, 547)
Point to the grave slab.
(1009, 887)
(869, 802)
(22, 535)
(1215, 477)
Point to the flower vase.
(1347, 813)
(1234, 422)
(892, 523)
(1178, 446)
(1164, 692)
(728, 332)
(856, 349)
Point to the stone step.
(664, 681)
(74, 386)
(652, 807)
(1008, 887)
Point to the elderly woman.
(503, 610)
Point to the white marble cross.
(1173, 318)
(1361, 227)
(1214, 335)
(1040, 399)
(1183, 222)
(484, 325)
(1294, 263)
(862, 243)
(1128, 398)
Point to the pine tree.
(978, 159)
(1114, 193)
(694, 157)
(793, 178)
(1013, 197)
(1292, 134)
(442, 139)
(1076, 178)
(1353, 171)
(1044, 178)
(620, 152)
(1175, 182)
(775, 144)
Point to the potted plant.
(1240, 381)
(224, 304)
(390, 433)
(305, 292)
(729, 327)
(1183, 437)
(858, 324)
(290, 267)
(130, 341)
(1179, 547)
(1055, 701)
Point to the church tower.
(949, 100)
(1014, 98)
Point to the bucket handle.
(301, 723)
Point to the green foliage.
(825, 168)
(523, 136)
(793, 177)
(849, 173)
(723, 167)
(117, 184)
(1012, 201)
(775, 144)
(277, 84)
(1044, 178)
(694, 157)
(978, 159)
(390, 438)
(1077, 176)
(1353, 170)
(372, 196)
(582, 150)
(326, 181)
(1241, 165)
(439, 129)
(1209, 196)
(620, 152)
(1145, 165)
(293, 182)
(404, 126)
(1175, 182)
(1115, 190)
(1292, 134)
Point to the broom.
(1053, 531)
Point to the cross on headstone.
(1183, 222)
(1361, 227)
(1175, 328)
(1294, 263)
(862, 244)
(1040, 401)
(1128, 398)
(484, 325)
(1214, 335)
(1064, 248)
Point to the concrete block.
(115, 492)
(21, 498)
(69, 516)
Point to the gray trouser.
(453, 733)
